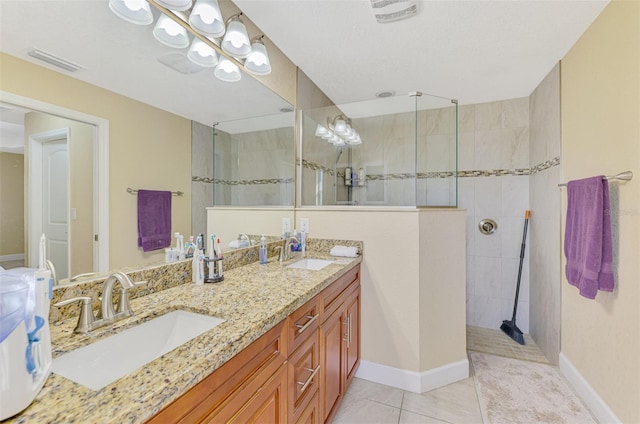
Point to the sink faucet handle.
(124, 307)
(86, 318)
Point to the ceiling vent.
(180, 63)
(56, 61)
(393, 10)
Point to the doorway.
(49, 198)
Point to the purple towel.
(587, 238)
(154, 219)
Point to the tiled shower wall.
(494, 142)
(545, 196)
(202, 166)
(388, 157)
(247, 169)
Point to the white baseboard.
(14, 257)
(590, 397)
(412, 381)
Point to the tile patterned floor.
(495, 342)
(371, 403)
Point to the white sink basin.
(313, 264)
(107, 360)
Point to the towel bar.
(624, 176)
(175, 193)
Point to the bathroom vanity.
(297, 372)
(286, 352)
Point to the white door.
(55, 201)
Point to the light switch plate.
(304, 225)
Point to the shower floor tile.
(495, 342)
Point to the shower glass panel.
(408, 154)
(253, 162)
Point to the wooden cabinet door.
(353, 333)
(268, 405)
(332, 362)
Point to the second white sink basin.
(107, 360)
(313, 264)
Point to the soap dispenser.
(263, 250)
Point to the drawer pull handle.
(301, 327)
(309, 380)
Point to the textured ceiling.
(475, 51)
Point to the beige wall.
(80, 148)
(413, 298)
(600, 98)
(12, 204)
(443, 327)
(227, 223)
(148, 148)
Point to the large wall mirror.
(125, 59)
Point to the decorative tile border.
(445, 174)
(243, 182)
(395, 176)
(317, 167)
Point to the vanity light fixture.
(134, 11)
(236, 40)
(202, 54)
(258, 60)
(170, 33)
(227, 71)
(177, 5)
(206, 18)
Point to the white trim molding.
(101, 168)
(589, 396)
(413, 381)
(12, 257)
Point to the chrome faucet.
(244, 236)
(87, 321)
(107, 311)
(286, 249)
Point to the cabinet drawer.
(330, 298)
(266, 404)
(232, 383)
(311, 414)
(304, 375)
(303, 323)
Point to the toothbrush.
(212, 255)
(219, 255)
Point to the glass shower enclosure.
(407, 155)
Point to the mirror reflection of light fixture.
(134, 11)
(236, 40)
(227, 71)
(177, 5)
(339, 132)
(170, 33)
(202, 54)
(206, 18)
(321, 131)
(258, 60)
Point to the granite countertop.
(252, 299)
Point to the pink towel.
(154, 219)
(587, 238)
